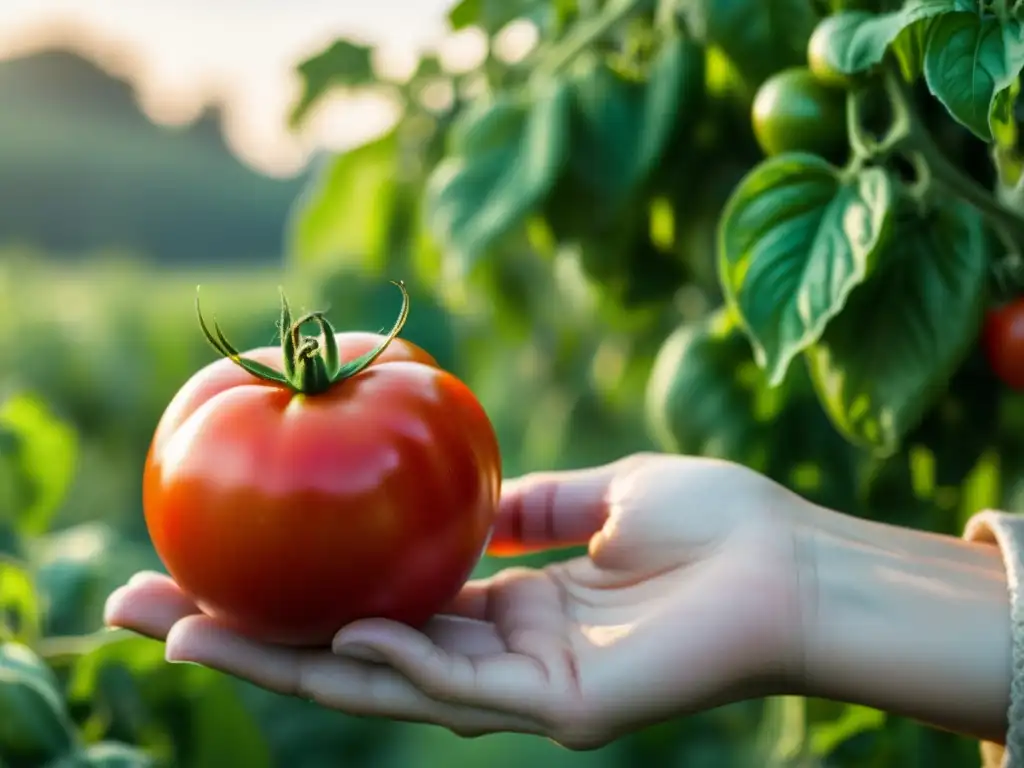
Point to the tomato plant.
(772, 223)
(352, 479)
(1004, 342)
(795, 112)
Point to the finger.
(551, 509)
(149, 604)
(503, 681)
(147, 577)
(473, 601)
(453, 635)
(348, 685)
(465, 637)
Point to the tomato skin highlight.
(288, 516)
(1003, 338)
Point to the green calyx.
(311, 364)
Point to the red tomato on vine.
(1004, 342)
(341, 477)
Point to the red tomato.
(1004, 342)
(287, 515)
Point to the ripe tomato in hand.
(1003, 337)
(290, 494)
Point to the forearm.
(909, 622)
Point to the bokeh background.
(145, 148)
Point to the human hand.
(689, 598)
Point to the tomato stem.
(908, 136)
(311, 365)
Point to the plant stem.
(311, 367)
(585, 32)
(911, 136)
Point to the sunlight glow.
(181, 56)
(602, 636)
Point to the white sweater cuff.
(1007, 532)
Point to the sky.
(181, 54)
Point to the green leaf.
(909, 48)
(344, 213)
(19, 603)
(759, 37)
(490, 15)
(138, 655)
(590, 29)
(882, 363)
(855, 720)
(858, 41)
(343, 63)
(224, 731)
(1006, 153)
(705, 394)
(964, 422)
(428, 68)
(969, 62)
(806, 454)
(624, 127)
(782, 735)
(465, 13)
(77, 567)
(106, 754)
(33, 720)
(473, 200)
(794, 240)
(46, 456)
(488, 125)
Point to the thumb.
(546, 510)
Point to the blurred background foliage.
(584, 220)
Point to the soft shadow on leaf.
(704, 391)
(623, 127)
(224, 730)
(759, 37)
(34, 723)
(882, 363)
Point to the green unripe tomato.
(818, 60)
(794, 112)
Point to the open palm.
(688, 599)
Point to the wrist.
(914, 623)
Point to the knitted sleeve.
(1007, 532)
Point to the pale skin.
(705, 583)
